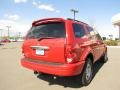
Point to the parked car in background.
(5, 41)
(63, 47)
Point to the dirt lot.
(14, 77)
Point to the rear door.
(95, 45)
(46, 42)
(81, 38)
(100, 44)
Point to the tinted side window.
(98, 35)
(91, 33)
(94, 34)
(78, 30)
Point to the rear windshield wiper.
(45, 38)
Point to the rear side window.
(97, 35)
(91, 32)
(52, 29)
(78, 30)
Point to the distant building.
(116, 21)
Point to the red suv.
(63, 48)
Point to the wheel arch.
(90, 55)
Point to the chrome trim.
(40, 47)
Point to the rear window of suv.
(52, 29)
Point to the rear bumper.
(59, 70)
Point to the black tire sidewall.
(83, 77)
(104, 58)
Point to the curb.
(113, 46)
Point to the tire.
(87, 73)
(104, 58)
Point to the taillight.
(71, 54)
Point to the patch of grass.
(112, 42)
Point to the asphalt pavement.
(14, 77)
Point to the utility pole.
(74, 12)
(19, 34)
(8, 31)
(1, 33)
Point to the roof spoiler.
(47, 20)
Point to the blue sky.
(19, 14)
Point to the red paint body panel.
(54, 54)
(61, 70)
(70, 52)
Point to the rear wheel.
(87, 73)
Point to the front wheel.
(104, 58)
(87, 73)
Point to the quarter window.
(78, 30)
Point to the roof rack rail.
(72, 19)
(76, 20)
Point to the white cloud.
(20, 1)
(47, 7)
(15, 27)
(34, 3)
(57, 11)
(13, 17)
